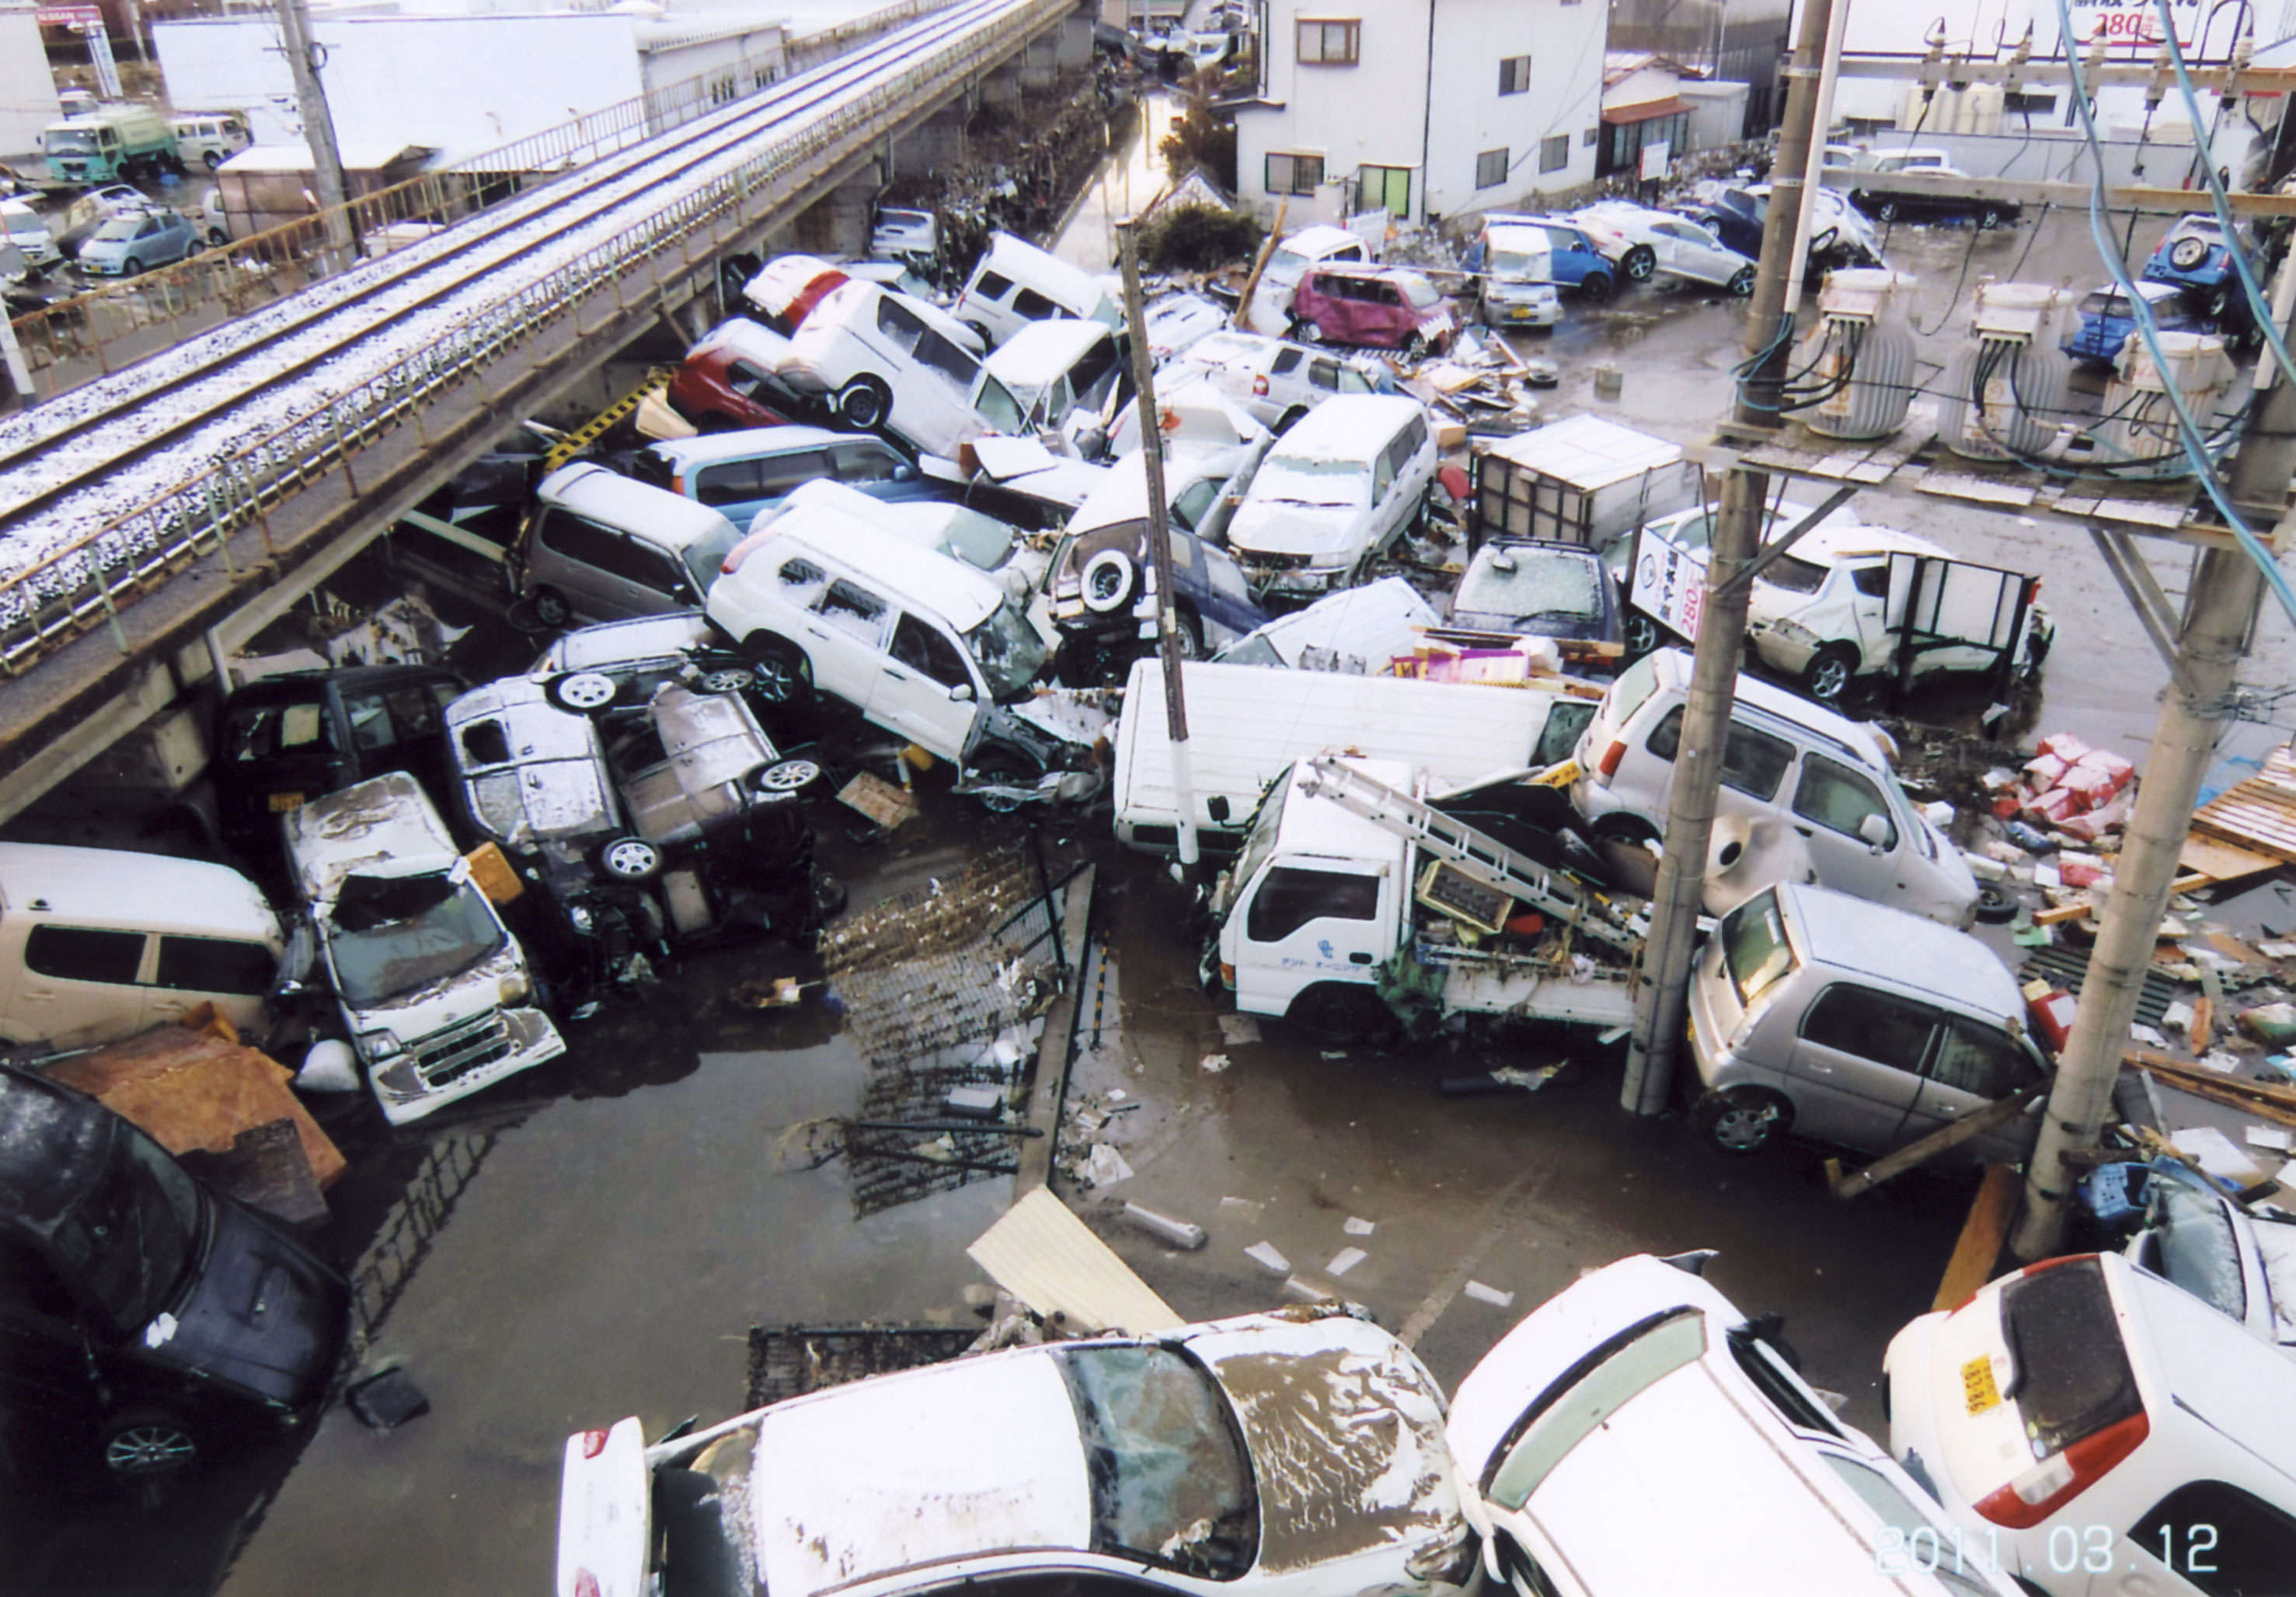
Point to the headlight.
(377, 1045)
(511, 988)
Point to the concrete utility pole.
(318, 130)
(2219, 614)
(1661, 1005)
(1160, 540)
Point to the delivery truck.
(109, 144)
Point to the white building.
(1424, 107)
(28, 90)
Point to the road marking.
(1517, 1197)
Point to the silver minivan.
(1853, 1024)
(600, 547)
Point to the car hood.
(1280, 527)
(1533, 626)
(267, 1313)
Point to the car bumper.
(1522, 315)
(1781, 653)
(101, 268)
(527, 1039)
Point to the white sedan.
(1649, 241)
(1270, 1455)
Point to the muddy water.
(1128, 181)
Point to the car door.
(1971, 1064)
(232, 975)
(1835, 805)
(925, 688)
(44, 1363)
(79, 983)
(587, 571)
(1857, 1065)
(846, 628)
(1305, 924)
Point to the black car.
(288, 739)
(1543, 589)
(137, 1306)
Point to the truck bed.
(1552, 977)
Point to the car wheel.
(1415, 348)
(2186, 253)
(218, 237)
(551, 608)
(142, 1442)
(1002, 765)
(213, 159)
(728, 679)
(1619, 827)
(194, 247)
(630, 860)
(1885, 210)
(1996, 905)
(2214, 309)
(783, 676)
(1744, 1120)
(1594, 288)
(1317, 335)
(131, 266)
(1988, 217)
(1108, 580)
(1189, 631)
(1829, 673)
(586, 692)
(1641, 263)
(790, 776)
(1641, 634)
(1742, 282)
(1341, 1012)
(864, 402)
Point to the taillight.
(1608, 766)
(594, 1443)
(2054, 1482)
(1260, 386)
(585, 1585)
(678, 482)
(1227, 976)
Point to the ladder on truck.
(1470, 853)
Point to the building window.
(1590, 139)
(1329, 42)
(1490, 168)
(1294, 174)
(1384, 188)
(1554, 154)
(1515, 75)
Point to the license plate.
(281, 802)
(1977, 1388)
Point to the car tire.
(1108, 579)
(864, 402)
(1620, 827)
(2186, 253)
(1997, 906)
(212, 159)
(1190, 632)
(218, 237)
(788, 776)
(2214, 306)
(1742, 284)
(1831, 669)
(629, 860)
(131, 267)
(1885, 210)
(1595, 287)
(784, 677)
(1988, 217)
(999, 764)
(727, 678)
(584, 691)
(551, 608)
(1335, 1013)
(194, 247)
(138, 1443)
(1641, 634)
(1743, 1120)
(1640, 263)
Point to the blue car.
(2107, 319)
(1574, 260)
(2194, 256)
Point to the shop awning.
(1649, 110)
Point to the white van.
(20, 226)
(1806, 794)
(1323, 245)
(210, 137)
(1247, 724)
(2097, 1430)
(1637, 1436)
(600, 547)
(1334, 494)
(1015, 283)
(1047, 369)
(96, 944)
(887, 360)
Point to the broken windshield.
(389, 935)
(1303, 479)
(1008, 651)
(2198, 1251)
(1525, 584)
(1172, 1484)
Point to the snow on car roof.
(1346, 426)
(386, 819)
(669, 519)
(1041, 351)
(1825, 546)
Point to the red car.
(1382, 308)
(727, 382)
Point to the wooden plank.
(2058, 916)
(1049, 1259)
(1981, 1235)
(2184, 1074)
(1974, 1124)
(2215, 860)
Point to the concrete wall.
(739, 62)
(1378, 112)
(457, 84)
(28, 91)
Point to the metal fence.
(84, 585)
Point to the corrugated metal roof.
(1048, 1259)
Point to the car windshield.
(1754, 946)
(119, 227)
(1254, 650)
(1287, 266)
(2104, 301)
(1527, 584)
(1794, 574)
(705, 557)
(71, 141)
(1172, 1484)
(1419, 294)
(388, 936)
(1008, 651)
(1296, 479)
(997, 407)
(1260, 842)
(979, 540)
(2197, 1248)
(132, 1238)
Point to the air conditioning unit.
(2005, 386)
(1854, 372)
(2139, 423)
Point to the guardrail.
(120, 322)
(86, 584)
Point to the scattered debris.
(1212, 1064)
(1490, 1294)
(1236, 1030)
(1179, 1234)
(1345, 1260)
(1266, 1253)
(387, 1400)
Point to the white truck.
(1247, 723)
(1353, 900)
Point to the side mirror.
(1215, 807)
(962, 693)
(1874, 829)
(905, 473)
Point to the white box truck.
(1246, 723)
(1585, 479)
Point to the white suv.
(1334, 494)
(1276, 381)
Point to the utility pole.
(2220, 608)
(303, 59)
(1160, 541)
(1661, 1003)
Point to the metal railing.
(86, 583)
(120, 322)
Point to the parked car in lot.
(138, 241)
(739, 474)
(1333, 494)
(2104, 1430)
(92, 210)
(282, 741)
(433, 992)
(1268, 1454)
(1872, 190)
(22, 226)
(1574, 259)
(600, 547)
(879, 358)
(2238, 1259)
(1516, 287)
(728, 379)
(1846, 1021)
(2107, 318)
(1558, 590)
(1276, 381)
(139, 1307)
(1381, 308)
(1654, 241)
(1638, 1414)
